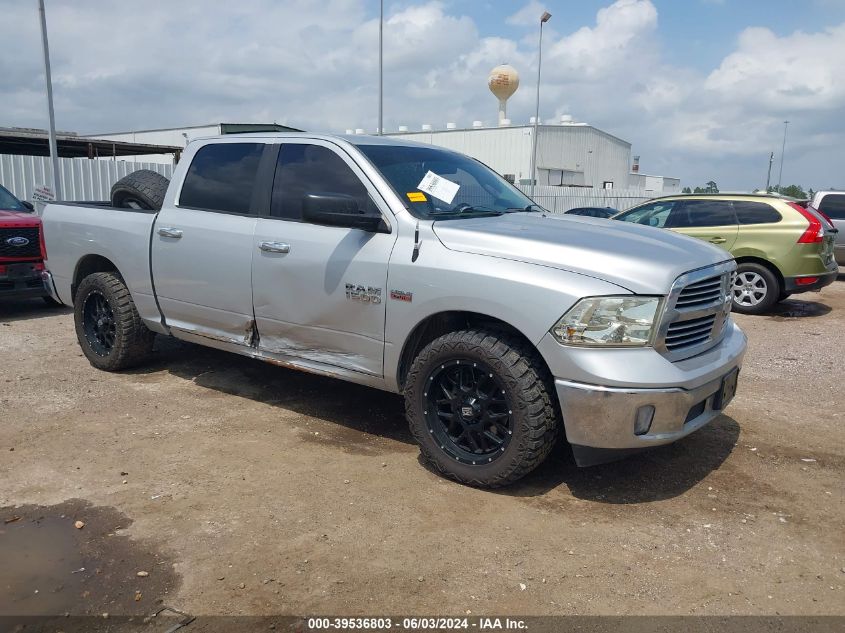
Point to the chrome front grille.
(693, 332)
(697, 310)
(701, 293)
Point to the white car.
(832, 205)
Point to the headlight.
(611, 321)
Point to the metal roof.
(33, 142)
(225, 128)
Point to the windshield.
(8, 202)
(436, 183)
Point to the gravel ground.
(259, 490)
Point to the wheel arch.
(88, 265)
(751, 259)
(440, 323)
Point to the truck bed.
(83, 234)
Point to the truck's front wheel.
(108, 327)
(479, 403)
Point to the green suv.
(780, 247)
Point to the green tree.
(711, 187)
(686, 190)
(793, 191)
(699, 190)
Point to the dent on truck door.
(319, 292)
(202, 248)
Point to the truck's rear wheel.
(479, 404)
(108, 327)
(142, 189)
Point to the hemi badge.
(401, 295)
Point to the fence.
(562, 199)
(82, 178)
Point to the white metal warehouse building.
(568, 154)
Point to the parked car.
(419, 271)
(21, 249)
(831, 204)
(780, 247)
(594, 212)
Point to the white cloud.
(528, 15)
(797, 72)
(315, 65)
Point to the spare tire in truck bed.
(142, 189)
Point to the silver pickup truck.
(420, 271)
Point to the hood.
(17, 218)
(641, 259)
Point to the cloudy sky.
(700, 87)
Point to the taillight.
(815, 232)
(825, 216)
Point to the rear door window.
(221, 177)
(748, 212)
(833, 204)
(701, 213)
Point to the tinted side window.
(221, 177)
(699, 213)
(304, 169)
(653, 214)
(755, 212)
(834, 205)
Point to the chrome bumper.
(604, 417)
(49, 286)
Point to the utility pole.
(381, 68)
(54, 154)
(543, 19)
(782, 150)
(769, 176)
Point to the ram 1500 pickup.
(419, 271)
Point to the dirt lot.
(243, 488)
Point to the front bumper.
(35, 285)
(599, 419)
(790, 284)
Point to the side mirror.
(336, 209)
(28, 205)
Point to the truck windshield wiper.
(533, 207)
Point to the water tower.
(503, 82)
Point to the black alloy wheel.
(468, 412)
(98, 323)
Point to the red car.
(22, 250)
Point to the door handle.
(717, 240)
(167, 231)
(274, 247)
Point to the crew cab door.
(319, 291)
(202, 244)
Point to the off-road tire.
(133, 342)
(528, 387)
(773, 289)
(142, 189)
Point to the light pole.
(54, 155)
(380, 67)
(543, 19)
(769, 175)
(782, 150)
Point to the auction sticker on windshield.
(439, 187)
